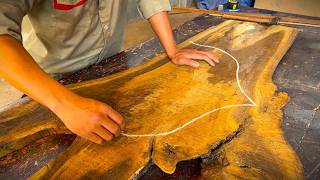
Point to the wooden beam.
(253, 17)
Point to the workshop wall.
(305, 7)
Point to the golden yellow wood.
(158, 96)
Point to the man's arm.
(161, 26)
(88, 118)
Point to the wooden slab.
(158, 97)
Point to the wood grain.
(159, 96)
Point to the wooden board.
(159, 97)
(254, 17)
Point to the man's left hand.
(190, 56)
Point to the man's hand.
(90, 119)
(161, 26)
(188, 57)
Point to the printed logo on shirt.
(68, 4)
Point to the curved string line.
(237, 71)
(253, 104)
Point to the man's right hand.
(90, 119)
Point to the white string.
(253, 104)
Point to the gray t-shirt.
(67, 35)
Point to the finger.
(94, 138)
(189, 62)
(110, 126)
(210, 55)
(115, 116)
(103, 133)
(200, 56)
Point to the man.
(68, 35)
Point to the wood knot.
(169, 149)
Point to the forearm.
(161, 26)
(19, 69)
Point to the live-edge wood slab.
(245, 142)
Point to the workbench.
(298, 74)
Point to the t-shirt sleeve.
(11, 15)
(150, 7)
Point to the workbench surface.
(298, 74)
